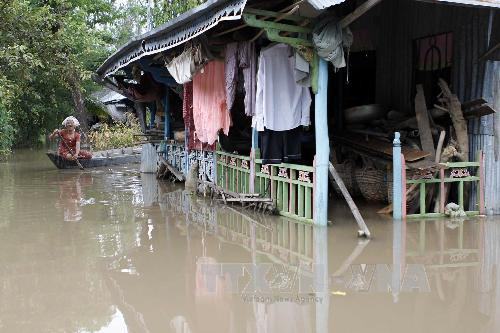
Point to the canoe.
(99, 160)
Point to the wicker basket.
(372, 183)
(346, 172)
(409, 174)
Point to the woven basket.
(346, 172)
(409, 174)
(372, 183)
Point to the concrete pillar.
(322, 147)
(397, 202)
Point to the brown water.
(109, 250)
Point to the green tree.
(165, 10)
(49, 50)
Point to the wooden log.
(388, 209)
(364, 231)
(358, 12)
(172, 170)
(269, 200)
(423, 123)
(459, 122)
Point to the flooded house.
(262, 99)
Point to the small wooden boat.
(99, 159)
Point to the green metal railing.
(458, 173)
(233, 172)
(290, 186)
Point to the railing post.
(255, 145)
(397, 178)
(320, 213)
(482, 206)
(186, 151)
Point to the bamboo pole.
(354, 209)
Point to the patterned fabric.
(71, 142)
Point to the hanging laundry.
(241, 55)
(281, 104)
(248, 61)
(277, 147)
(210, 111)
(187, 114)
(302, 71)
(183, 67)
(231, 73)
(330, 40)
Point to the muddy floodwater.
(110, 250)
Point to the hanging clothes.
(187, 114)
(210, 111)
(183, 67)
(281, 104)
(280, 146)
(248, 61)
(302, 70)
(241, 56)
(330, 40)
(231, 63)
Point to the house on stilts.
(261, 97)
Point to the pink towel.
(209, 102)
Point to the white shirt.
(281, 103)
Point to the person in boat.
(70, 140)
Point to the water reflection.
(136, 261)
(70, 195)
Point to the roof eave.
(163, 29)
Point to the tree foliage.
(165, 10)
(50, 48)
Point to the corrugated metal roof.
(322, 4)
(173, 33)
(107, 95)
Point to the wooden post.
(481, 184)
(322, 147)
(363, 229)
(442, 191)
(422, 198)
(397, 188)
(424, 123)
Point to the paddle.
(71, 151)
